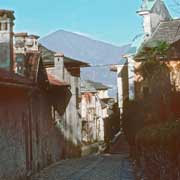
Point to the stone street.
(94, 167)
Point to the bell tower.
(153, 11)
(6, 39)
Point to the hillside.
(83, 48)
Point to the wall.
(73, 121)
(174, 72)
(92, 117)
(131, 77)
(12, 134)
(123, 86)
(6, 52)
(103, 94)
(29, 139)
(88, 115)
(174, 67)
(70, 123)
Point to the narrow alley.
(89, 91)
(115, 165)
(94, 167)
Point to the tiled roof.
(98, 85)
(55, 82)
(48, 58)
(33, 36)
(21, 34)
(168, 31)
(11, 78)
(87, 87)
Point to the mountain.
(94, 52)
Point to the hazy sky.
(114, 21)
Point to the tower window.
(5, 26)
(35, 43)
(0, 26)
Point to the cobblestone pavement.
(94, 167)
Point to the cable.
(98, 66)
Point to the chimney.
(59, 65)
(6, 39)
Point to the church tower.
(153, 11)
(6, 39)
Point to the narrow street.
(95, 167)
(109, 166)
(90, 90)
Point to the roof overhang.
(10, 79)
(142, 12)
(56, 82)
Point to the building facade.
(94, 111)
(67, 70)
(39, 106)
(155, 15)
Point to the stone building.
(67, 112)
(94, 110)
(154, 13)
(6, 38)
(91, 113)
(29, 139)
(24, 44)
(163, 29)
(156, 19)
(123, 91)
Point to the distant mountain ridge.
(95, 52)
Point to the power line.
(98, 66)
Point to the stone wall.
(29, 141)
(72, 118)
(5, 55)
(68, 121)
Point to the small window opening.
(77, 98)
(5, 26)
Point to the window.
(0, 26)
(77, 98)
(5, 26)
(35, 43)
